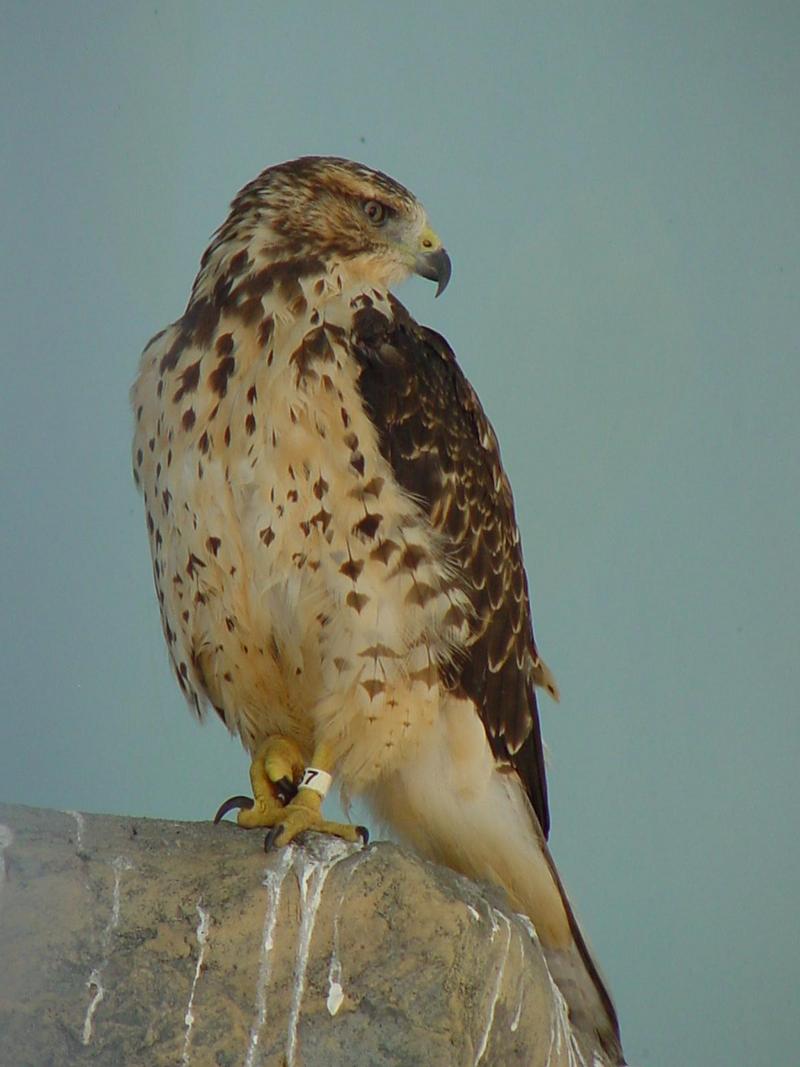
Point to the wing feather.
(443, 451)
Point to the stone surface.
(134, 941)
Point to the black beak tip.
(436, 267)
(445, 269)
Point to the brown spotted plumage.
(335, 551)
(443, 451)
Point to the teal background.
(617, 184)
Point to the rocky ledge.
(128, 941)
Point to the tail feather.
(574, 962)
(490, 832)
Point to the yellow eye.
(375, 211)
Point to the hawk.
(335, 551)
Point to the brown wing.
(442, 449)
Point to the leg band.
(316, 780)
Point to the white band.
(319, 781)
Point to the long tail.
(492, 834)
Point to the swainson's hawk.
(335, 549)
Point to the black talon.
(233, 803)
(363, 833)
(285, 790)
(272, 837)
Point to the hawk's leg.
(304, 812)
(275, 770)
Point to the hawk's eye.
(375, 211)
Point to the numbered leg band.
(319, 781)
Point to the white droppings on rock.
(494, 922)
(80, 826)
(526, 922)
(119, 864)
(495, 915)
(273, 881)
(6, 839)
(564, 1050)
(476, 915)
(201, 933)
(335, 990)
(562, 1039)
(518, 1011)
(95, 981)
(315, 864)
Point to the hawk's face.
(338, 210)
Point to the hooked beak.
(436, 266)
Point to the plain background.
(618, 186)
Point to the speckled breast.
(301, 590)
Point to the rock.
(129, 941)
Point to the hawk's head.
(336, 210)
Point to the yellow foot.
(303, 813)
(276, 769)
